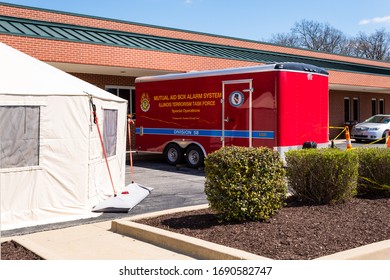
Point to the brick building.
(112, 53)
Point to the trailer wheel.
(194, 156)
(173, 154)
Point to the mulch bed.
(11, 250)
(297, 232)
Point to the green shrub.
(374, 171)
(322, 176)
(245, 183)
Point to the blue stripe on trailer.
(207, 133)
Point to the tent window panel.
(19, 137)
(110, 131)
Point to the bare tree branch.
(322, 37)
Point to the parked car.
(374, 128)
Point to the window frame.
(347, 109)
(131, 109)
(374, 106)
(356, 108)
(381, 105)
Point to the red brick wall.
(91, 54)
(102, 81)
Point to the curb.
(374, 251)
(192, 247)
(37, 249)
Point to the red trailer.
(188, 115)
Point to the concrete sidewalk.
(124, 240)
(93, 242)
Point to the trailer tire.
(173, 154)
(194, 156)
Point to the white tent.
(52, 167)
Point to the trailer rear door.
(236, 113)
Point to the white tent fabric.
(51, 163)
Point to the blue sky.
(247, 19)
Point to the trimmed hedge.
(245, 183)
(322, 176)
(374, 171)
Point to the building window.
(110, 131)
(356, 109)
(373, 106)
(347, 109)
(19, 137)
(381, 106)
(127, 93)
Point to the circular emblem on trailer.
(236, 98)
(145, 102)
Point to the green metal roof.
(74, 33)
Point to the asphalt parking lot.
(341, 144)
(173, 187)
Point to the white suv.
(371, 129)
